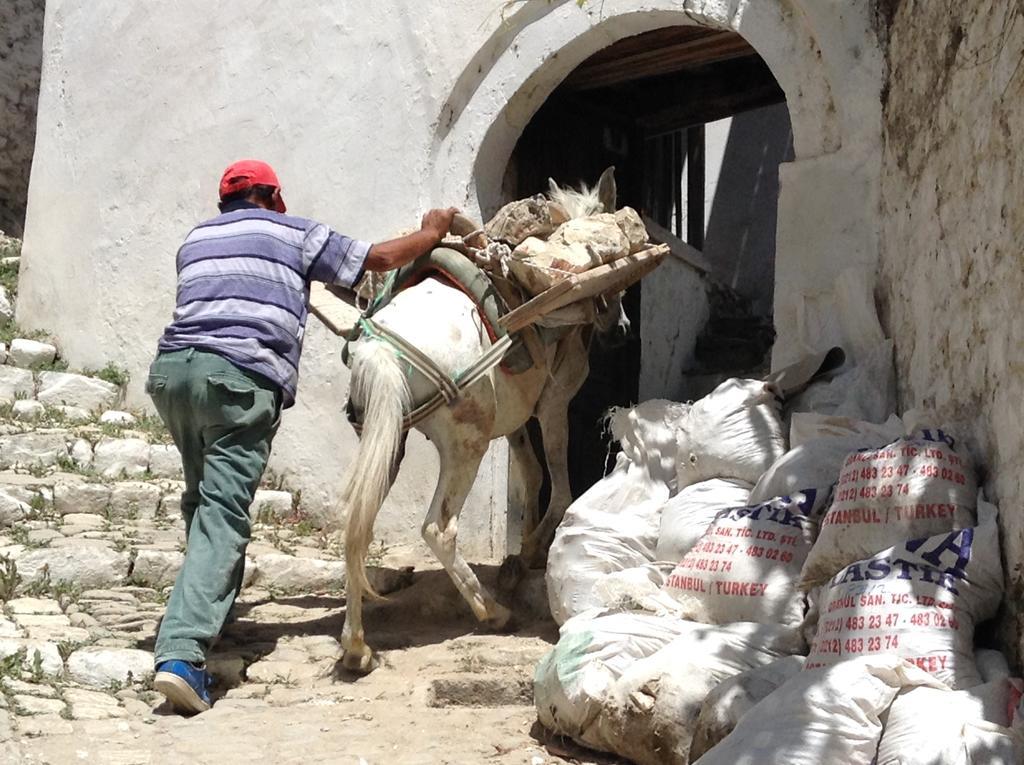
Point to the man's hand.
(395, 253)
(438, 221)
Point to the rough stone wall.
(21, 53)
(952, 271)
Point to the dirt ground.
(446, 691)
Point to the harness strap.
(415, 358)
(473, 373)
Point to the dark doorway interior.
(640, 105)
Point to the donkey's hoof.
(360, 662)
(510, 574)
(501, 621)
(534, 559)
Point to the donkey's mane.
(579, 203)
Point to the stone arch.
(828, 64)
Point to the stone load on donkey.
(466, 345)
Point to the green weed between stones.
(39, 470)
(40, 510)
(375, 554)
(150, 426)
(61, 589)
(274, 538)
(11, 331)
(36, 668)
(57, 365)
(111, 373)
(10, 666)
(67, 647)
(9, 577)
(66, 711)
(9, 248)
(20, 536)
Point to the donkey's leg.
(568, 374)
(357, 655)
(460, 453)
(531, 476)
(527, 495)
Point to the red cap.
(247, 173)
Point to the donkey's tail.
(378, 391)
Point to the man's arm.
(395, 253)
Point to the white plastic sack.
(747, 565)
(919, 600)
(728, 703)
(926, 726)
(636, 589)
(811, 426)
(733, 432)
(992, 665)
(593, 687)
(915, 487)
(686, 516)
(865, 389)
(819, 445)
(573, 680)
(823, 717)
(647, 432)
(614, 525)
(611, 527)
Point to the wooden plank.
(534, 307)
(715, 46)
(645, 41)
(336, 309)
(610, 277)
(679, 249)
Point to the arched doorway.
(828, 65)
(696, 126)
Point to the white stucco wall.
(743, 155)
(340, 98)
(371, 113)
(21, 49)
(673, 310)
(953, 216)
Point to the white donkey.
(444, 324)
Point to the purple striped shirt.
(243, 288)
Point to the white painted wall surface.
(339, 97)
(673, 311)
(372, 112)
(741, 201)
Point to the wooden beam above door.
(663, 51)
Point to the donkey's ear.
(606, 191)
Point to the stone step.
(104, 457)
(55, 388)
(472, 690)
(59, 495)
(96, 565)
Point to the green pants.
(223, 420)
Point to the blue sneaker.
(184, 684)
